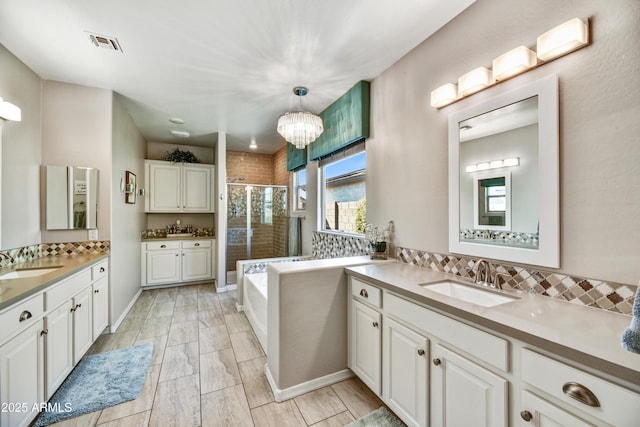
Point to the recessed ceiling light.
(176, 120)
(181, 133)
(253, 144)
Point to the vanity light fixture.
(565, 38)
(494, 164)
(474, 81)
(9, 111)
(514, 62)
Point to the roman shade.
(345, 122)
(296, 158)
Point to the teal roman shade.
(296, 159)
(345, 122)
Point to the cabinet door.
(82, 323)
(196, 189)
(537, 412)
(100, 306)
(196, 264)
(164, 188)
(163, 266)
(59, 346)
(365, 345)
(404, 372)
(465, 394)
(21, 376)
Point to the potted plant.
(378, 238)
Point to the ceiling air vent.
(104, 42)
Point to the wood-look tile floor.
(208, 370)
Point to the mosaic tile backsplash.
(611, 296)
(28, 253)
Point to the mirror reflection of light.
(494, 164)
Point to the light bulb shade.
(562, 39)
(474, 81)
(513, 62)
(8, 111)
(444, 95)
(300, 128)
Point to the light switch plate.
(93, 234)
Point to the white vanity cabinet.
(464, 393)
(58, 334)
(175, 187)
(177, 261)
(458, 390)
(21, 361)
(100, 304)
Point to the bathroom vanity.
(51, 312)
(516, 359)
(172, 261)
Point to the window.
(343, 191)
(300, 190)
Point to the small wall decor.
(130, 188)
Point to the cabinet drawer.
(617, 405)
(100, 270)
(486, 347)
(29, 311)
(187, 244)
(154, 246)
(67, 288)
(365, 292)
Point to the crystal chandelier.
(300, 128)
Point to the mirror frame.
(548, 251)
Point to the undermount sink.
(27, 272)
(470, 294)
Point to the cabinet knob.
(437, 362)
(25, 315)
(526, 415)
(163, 246)
(197, 244)
(375, 324)
(73, 309)
(96, 291)
(420, 352)
(101, 269)
(363, 293)
(581, 394)
(44, 332)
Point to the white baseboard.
(227, 288)
(239, 307)
(114, 327)
(305, 387)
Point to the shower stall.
(256, 223)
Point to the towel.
(631, 335)
(295, 235)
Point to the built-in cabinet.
(43, 337)
(179, 187)
(432, 369)
(177, 261)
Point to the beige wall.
(20, 208)
(127, 220)
(599, 128)
(76, 131)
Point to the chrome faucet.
(483, 272)
(5, 255)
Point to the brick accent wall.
(280, 172)
(255, 168)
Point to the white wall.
(599, 128)
(76, 131)
(127, 220)
(20, 209)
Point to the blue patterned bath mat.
(99, 381)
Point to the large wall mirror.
(71, 198)
(504, 177)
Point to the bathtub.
(255, 305)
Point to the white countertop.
(587, 335)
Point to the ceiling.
(221, 66)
